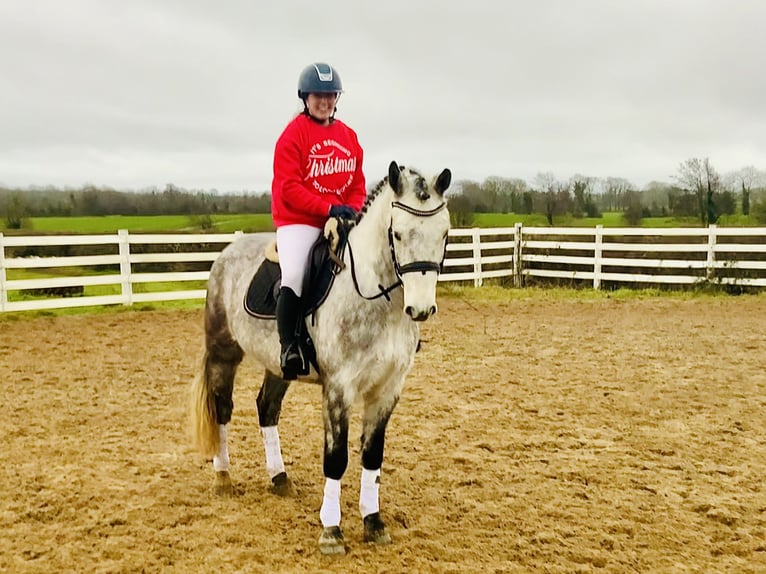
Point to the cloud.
(145, 93)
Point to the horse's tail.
(211, 393)
(204, 425)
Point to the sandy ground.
(536, 434)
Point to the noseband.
(415, 266)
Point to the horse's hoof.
(375, 529)
(281, 485)
(223, 485)
(331, 541)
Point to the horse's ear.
(443, 181)
(394, 178)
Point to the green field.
(613, 219)
(255, 222)
(247, 222)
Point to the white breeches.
(293, 245)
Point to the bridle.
(414, 267)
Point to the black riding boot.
(288, 315)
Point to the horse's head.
(418, 235)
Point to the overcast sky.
(140, 93)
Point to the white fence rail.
(46, 272)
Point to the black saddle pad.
(261, 297)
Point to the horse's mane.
(381, 185)
(373, 194)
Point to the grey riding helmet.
(319, 78)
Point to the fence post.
(125, 282)
(597, 257)
(517, 255)
(3, 291)
(710, 265)
(476, 241)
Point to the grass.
(184, 305)
(262, 222)
(94, 290)
(228, 223)
(610, 219)
(256, 222)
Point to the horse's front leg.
(377, 412)
(335, 410)
(269, 403)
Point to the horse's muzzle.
(420, 314)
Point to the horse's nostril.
(408, 309)
(432, 310)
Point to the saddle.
(325, 262)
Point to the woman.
(317, 174)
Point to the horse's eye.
(397, 236)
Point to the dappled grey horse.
(365, 334)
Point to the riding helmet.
(319, 78)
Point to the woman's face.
(322, 106)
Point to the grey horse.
(365, 333)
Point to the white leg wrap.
(274, 462)
(330, 512)
(368, 492)
(221, 460)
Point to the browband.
(418, 212)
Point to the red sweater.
(315, 167)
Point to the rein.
(415, 266)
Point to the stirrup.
(291, 363)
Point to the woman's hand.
(343, 212)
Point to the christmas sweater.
(315, 166)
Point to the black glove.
(343, 212)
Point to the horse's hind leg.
(220, 374)
(269, 403)
(212, 403)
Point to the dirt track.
(534, 435)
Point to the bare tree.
(507, 194)
(700, 177)
(659, 197)
(615, 189)
(546, 186)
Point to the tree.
(615, 189)
(584, 204)
(504, 195)
(15, 211)
(682, 203)
(633, 211)
(698, 176)
(726, 203)
(460, 211)
(658, 196)
(746, 180)
(553, 197)
(546, 186)
(527, 202)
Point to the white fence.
(45, 272)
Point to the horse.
(365, 332)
